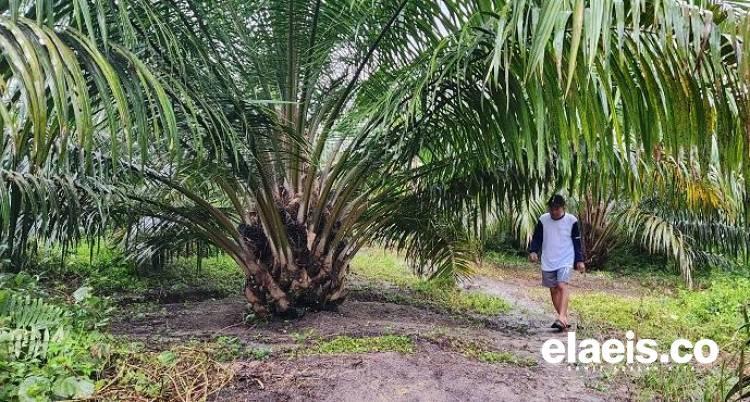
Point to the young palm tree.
(290, 133)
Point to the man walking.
(558, 238)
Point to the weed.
(228, 348)
(347, 345)
(458, 301)
(50, 347)
(303, 336)
(488, 356)
(676, 383)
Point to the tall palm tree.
(692, 214)
(290, 133)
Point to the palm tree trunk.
(309, 282)
(11, 253)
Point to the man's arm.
(536, 242)
(577, 247)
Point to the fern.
(27, 326)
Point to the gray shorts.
(551, 279)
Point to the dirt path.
(436, 371)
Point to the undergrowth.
(54, 346)
(190, 372)
(711, 313)
(381, 268)
(679, 383)
(105, 268)
(50, 347)
(229, 348)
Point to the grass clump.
(505, 258)
(492, 357)
(478, 349)
(381, 266)
(350, 345)
(229, 348)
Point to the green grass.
(680, 383)
(384, 267)
(379, 265)
(105, 269)
(457, 301)
(492, 357)
(709, 313)
(349, 345)
(229, 348)
(505, 258)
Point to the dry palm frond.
(183, 374)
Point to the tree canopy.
(290, 133)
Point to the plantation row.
(270, 142)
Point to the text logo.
(630, 351)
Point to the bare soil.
(434, 372)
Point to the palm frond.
(27, 326)
(321, 117)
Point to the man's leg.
(555, 299)
(563, 292)
(549, 280)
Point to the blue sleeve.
(536, 240)
(577, 248)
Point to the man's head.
(556, 205)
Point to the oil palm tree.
(290, 133)
(691, 214)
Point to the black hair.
(556, 201)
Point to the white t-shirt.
(557, 241)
